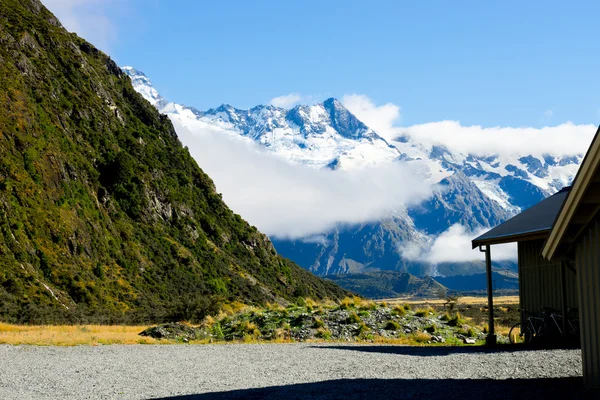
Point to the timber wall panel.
(588, 277)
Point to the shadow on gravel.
(435, 350)
(421, 389)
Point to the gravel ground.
(286, 371)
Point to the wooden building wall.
(587, 257)
(540, 280)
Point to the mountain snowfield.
(471, 191)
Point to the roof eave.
(581, 182)
(519, 237)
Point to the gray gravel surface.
(285, 371)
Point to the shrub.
(367, 305)
(471, 332)
(431, 328)
(346, 303)
(399, 310)
(217, 331)
(353, 318)
(318, 323)
(407, 307)
(323, 333)
(457, 320)
(362, 328)
(392, 326)
(421, 337)
(446, 316)
(383, 304)
(485, 328)
(423, 312)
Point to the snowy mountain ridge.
(477, 191)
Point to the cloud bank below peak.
(292, 201)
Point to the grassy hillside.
(104, 215)
(389, 284)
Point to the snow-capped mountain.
(475, 191)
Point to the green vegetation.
(104, 215)
(456, 320)
(392, 326)
(298, 323)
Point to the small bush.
(217, 331)
(423, 312)
(367, 305)
(323, 333)
(392, 326)
(457, 320)
(353, 318)
(407, 307)
(399, 310)
(346, 303)
(471, 332)
(421, 337)
(383, 304)
(362, 328)
(430, 328)
(446, 316)
(318, 323)
(485, 328)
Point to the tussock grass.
(424, 312)
(63, 335)
(399, 310)
(353, 318)
(421, 337)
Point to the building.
(559, 256)
(575, 239)
(541, 282)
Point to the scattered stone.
(469, 340)
(438, 339)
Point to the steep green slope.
(103, 214)
(389, 284)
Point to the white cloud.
(293, 201)
(88, 18)
(379, 118)
(564, 139)
(454, 245)
(286, 101)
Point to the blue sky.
(508, 63)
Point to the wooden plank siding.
(540, 280)
(587, 258)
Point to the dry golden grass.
(73, 335)
(471, 300)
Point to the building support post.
(563, 288)
(491, 337)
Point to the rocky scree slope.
(104, 215)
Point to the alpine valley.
(473, 191)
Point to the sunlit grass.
(63, 335)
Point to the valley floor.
(290, 371)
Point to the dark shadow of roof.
(534, 220)
(420, 389)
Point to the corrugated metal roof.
(535, 220)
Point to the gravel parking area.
(286, 371)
